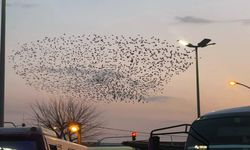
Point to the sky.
(226, 22)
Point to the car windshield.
(222, 133)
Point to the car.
(33, 138)
(223, 129)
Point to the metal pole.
(2, 63)
(79, 134)
(243, 85)
(197, 83)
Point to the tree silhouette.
(57, 114)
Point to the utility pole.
(2, 62)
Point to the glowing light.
(232, 82)
(183, 42)
(74, 127)
(201, 147)
(133, 134)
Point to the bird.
(95, 68)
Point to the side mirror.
(154, 143)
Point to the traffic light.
(133, 135)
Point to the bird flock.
(97, 68)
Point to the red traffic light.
(133, 134)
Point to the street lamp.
(234, 83)
(203, 43)
(75, 127)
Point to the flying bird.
(110, 68)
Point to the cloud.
(159, 98)
(21, 5)
(191, 19)
(197, 20)
(244, 21)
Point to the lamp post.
(234, 83)
(75, 127)
(203, 43)
(2, 62)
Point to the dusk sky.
(226, 22)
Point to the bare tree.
(57, 114)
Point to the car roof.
(27, 130)
(237, 111)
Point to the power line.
(124, 130)
(141, 132)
